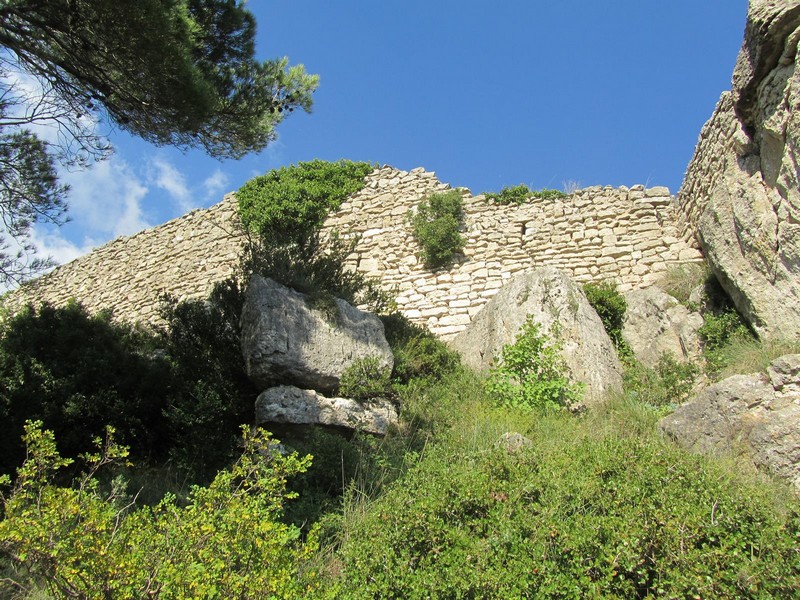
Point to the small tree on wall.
(435, 226)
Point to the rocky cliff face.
(741, 194)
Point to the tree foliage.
(176, 72)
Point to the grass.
(682, 279)
(747, 355)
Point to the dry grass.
(681, 279)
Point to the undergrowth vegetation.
(596, 505)
(591, 505)
(531, 373)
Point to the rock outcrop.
(741, 195)
(757, 415)
(284, 340)
(656, 323)
(288, 404)
(551, 297)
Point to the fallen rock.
(288, 404)
(552, 298)
(741, 194)
(512, 442)
(656, 323)
(757, 415)
(284, 340)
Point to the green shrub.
(532, 374)
(79, 373)
(610, 305)
(210, 396)
(179, 392)
(425, 357)
(365, 379)
(572, 516)
(318, 270)
(288, 204)
(436, 225)
(718, 332)
(226, 542)
(668, 384)
(519, 194)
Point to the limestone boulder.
(286, 341)
(741, 194)
(757, 415)
(556, 302)
(288, 404)
(656, 323)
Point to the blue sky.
(535, 92)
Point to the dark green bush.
(365, 379)
(288, 204)
(598, 517)
(610, 305)
(435, 226)
(178, 393)
(78, 373)
(519, 194)
(418, 354)
(211, 395)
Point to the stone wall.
(630, 235)
(719, 137)
(183, 257)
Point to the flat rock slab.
(288, 404)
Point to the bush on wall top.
(288, 204)
(519, 194)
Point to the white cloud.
(215, 184)
(165, 176)
(106, 200)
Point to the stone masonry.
(630, 235)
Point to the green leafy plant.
(227, 541)
(519, 194)
(532, 374)
(668, 384)
(436, 224)
(717, 333)
(287, 205)
(364, 379)
(610, 305)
